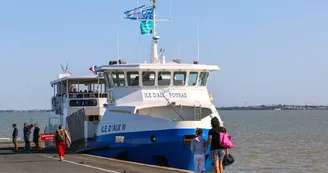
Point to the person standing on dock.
(36, 136)
(15, 134)
(217, 152)
(197, 148)
(60, 139)
(27, 133)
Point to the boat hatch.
(188, 138)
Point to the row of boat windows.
(87, 102)
(164, 78)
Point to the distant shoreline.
(243, 108)
(275, 107)
(24, 111)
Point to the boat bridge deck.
(47, 161)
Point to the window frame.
(128, 73)
(150, 72)
(117, 73)
(199, 82)
(165, 72)
(179, 73)
(93, 102)
(196, 80)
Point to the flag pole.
(154, 18)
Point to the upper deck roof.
(82, 79)
(168, 66)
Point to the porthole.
(153, 138)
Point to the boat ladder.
(198, 112)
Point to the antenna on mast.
(170, 1)
(178, 51)
(65, 73)
(198, 40)
(118, 46)
(139, 49)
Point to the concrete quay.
(46, 161)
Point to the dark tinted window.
(133, 78)
(148, 78)
(93, 117)
(164, 78)
(89, 102)
(118, 78)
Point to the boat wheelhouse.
(168, 91)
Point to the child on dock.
(198, 149)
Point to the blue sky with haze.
(269, 52)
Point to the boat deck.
(47, 161)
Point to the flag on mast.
(145, 14)
(141, 13)
(146, 27)
(92, 69)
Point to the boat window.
(164, 78)
(148, 78)
(179, 78)
(133, 78)
(118, 78)
(192, 78)
(203, 78)
(108, 80)
(88, 102)
(93, 117)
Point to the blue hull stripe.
(138, 147)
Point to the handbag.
(225, 140)
(228, 160)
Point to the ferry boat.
(141, 112)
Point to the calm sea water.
(264, 141)
(8, 119)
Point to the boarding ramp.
(75, 123)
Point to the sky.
(269, 52)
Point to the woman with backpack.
(217, 152)
(60, 139)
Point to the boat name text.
(150, 95)
(113, 128)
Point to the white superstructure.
(72, 93)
